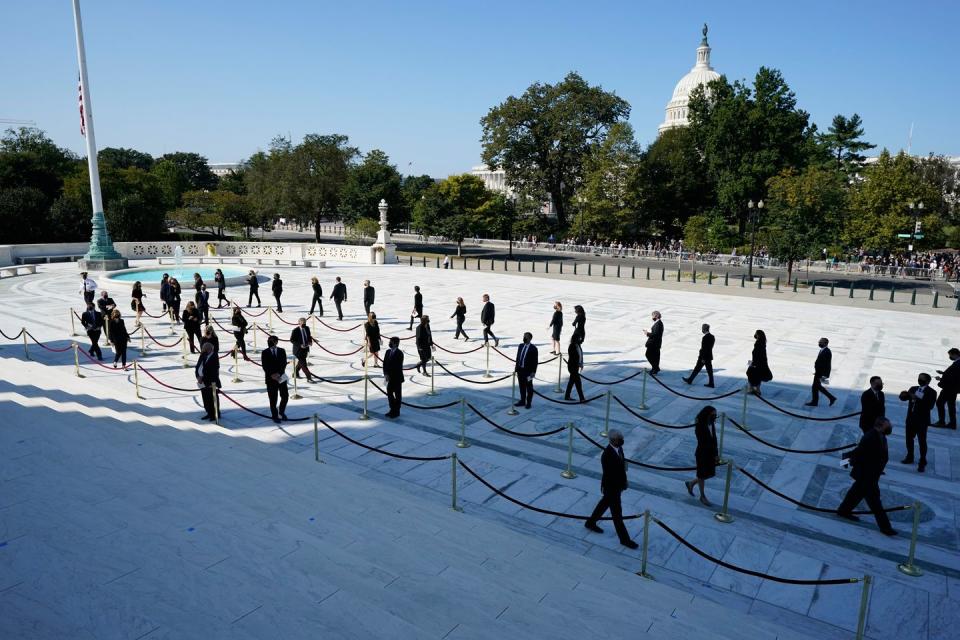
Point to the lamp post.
(916, 210)
(753, 235)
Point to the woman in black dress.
(221, 283)
(174, 301)
(137, 295)
(119, 338)
(197, 283)
(580, 324)
(758, 371)
(191, 324)
(371, 335)
(706, 453)
(460, 313)
(238, 321)
(317, 295)
(209, 335)
(277, 288)
(556, 326)
(424, 341)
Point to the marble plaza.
(127, 518)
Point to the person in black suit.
(254, 285)
(574, 367)
(424, 342)
(209, 335)
(949, 383)
(273, 361)
(758, 371)
(191, 324)
(555, 327)
(277, 288)
(872, 404)
(92, 321)
(203, 304)
(922, 400)
(221, 283)
(526, 368)
(460, 313)
(174, 298)
(238, 321)
(706, 454)
(300, 341)
(339, 296)
(580, 323)
(868, 460)
(613, 483)
(165, 290)
(369, 294)
(704, 358)
(487, 317)
(119, 338)
(197, 285)
(821, 370)
(106, 304)
(393, 374)
(417, 311)
(654, 342)
(207, 373)
(317, 295)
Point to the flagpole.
(101, 255)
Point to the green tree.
(28, 158)
(23, 214)
(803, 213)
(542, 138)
(747, 135)
(215, 212)
(194, 168)
(173, 183)
(373, 180)
(604, 199)
(234, 181)
(138, 195)
(121, 158)
(844, 140)
(413, 189)
(314, 176)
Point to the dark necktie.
(523, 356)
(303, 336)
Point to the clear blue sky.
(414, 78)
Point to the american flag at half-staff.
(83, 124)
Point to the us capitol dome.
(701, 74)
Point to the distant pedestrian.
(300, 341)
(239, 332)
(868, 461)
(758, 371)
(526, 369)
(460, 313)
(704, 357)
(165, 291)
(369, 294)
(191, 324)
(105, 303)
(136, 302)
(821, 373)
(555, 327)
(197, 286)
(209, 335)
(273, 361)
(487, 318)
(706, 453)
(207, 372)
(88, 287)
(393, 376)
(119, 338)
(949, 383)
(417, 311)
(92, 321)
(277, 288)
(317, 295)
(371, 337)
(424, 342)
(254, 285)
(872, 404)
(574, 367)
(446, 262)
(654, 343)
(921, 399)
(339, 296)
(613, 483)
(221, 283)
(580, 324)
(173, 301)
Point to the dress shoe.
(568, 398)
(496, 342)
(940, 424)
(889, 532)
(810, 404)
(687, 380)
(527, 405)
(907, 460)
(705, 502)
(518, 404)
(205, 417)
(284, 417)
(921, 467)
(709, 385)
(689, 485)
(849, 516)
(630, 544)
(592, 527)
(276, 420)
(654, 372)
(832, 400)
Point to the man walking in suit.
(300, 342)
(89, 288)
(273, 361)
(574, 367)
(203, 303)
(821, 370)
(872, 404)
(254, 285)
(613, 482)
(487, 317)
(654, 342)
(207, 373)
(526, 368)
(92, 321)
(417, 311)
(705, 358)
(922, 399)
(949, 383)
(339, 296)
(868, 461)
(368, 296)
(393, 375)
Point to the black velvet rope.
(417, 406)
(538, 434)
(555, 401)
(386, 453)
(631, 461)
(442, 366)
(787, 449)
(611, 382)
(803, 417)
(810, 506)
(651, 421)
(689, 397)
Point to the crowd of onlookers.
(946, 264)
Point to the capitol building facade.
(701, 74)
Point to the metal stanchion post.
(646, 545)
(143, 342)
(453, 477)
(726, 279)
(136, 378)
(433, 375)
(871, 291)
(864, 601)
(76, 360)
(833, 284)
(723, 427)
(776, 284)
(487, 374)
(724, 516)
(183, 342)
(893, 289)
(743, 411)
(568, 472)
(236, 366)
(366, 381)
(463, 444)
(606, 418)
(648, 273)
(813, 288)
(663, 274)
(710, 277)
(913, 298)
(558, 389)
(936, 299)
(678, 275)
(512, 411)
(254, 336)
(313, 325)
(316, 438)
(693, 276)
(743, 281)
(759, 282)
(850, 294)
(216, 403)
(909, 567)
(270, 313)
(796, 281)
(643, 393)
(296, 395)
(73, 328)
(106, 330)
